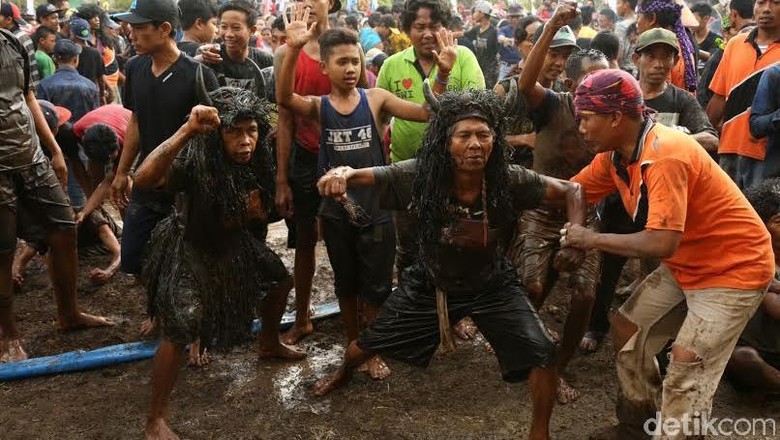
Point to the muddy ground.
(237, 397)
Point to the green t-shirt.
(400, 76)
(46, 65)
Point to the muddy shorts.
(538, 240)
(35, 190)
(303, 182)
(361, 258)
(407, 327)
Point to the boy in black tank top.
(359, 236)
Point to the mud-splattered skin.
(560, 149)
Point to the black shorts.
(407, 327)
(303, 182)
(361, 258)
(34, 190)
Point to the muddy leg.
(22, 259)
(268, 343)
(111, 243)
(353, 357)
(376, 366)
(305, 263)
(611, 268)
(10, 344)
(542, 382)
(167, 363)
(63, 271)
(577, 322)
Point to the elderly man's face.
(471, 144)
(240, 141)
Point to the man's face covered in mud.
(471, 143)
(240, 140)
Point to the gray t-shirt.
(678, 108)
(20, 146)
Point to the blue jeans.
(744, 171)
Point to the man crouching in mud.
(208, 267)
(717, 256)
(465, 199)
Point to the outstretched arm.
(562, 193)
(650, 243)
(298, 34)
(528, 85)
(336, 181)
(153, 172)
(399, 108)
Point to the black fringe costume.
(462, 269)
(207, 267)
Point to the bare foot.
(148, 327)
(566, 394)
(331, 382)
(280, 351)
(296, 333)
(377, 368)
(465, 329)
(17, 274)
(196, 357)
(84, 320)
(591, 342)
(489, 348)
(100, 276)
(158, 429)
(12, 351)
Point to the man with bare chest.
(560, 152)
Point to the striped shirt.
(24, 38)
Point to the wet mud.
(460, 396)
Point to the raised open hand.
(297, 28)
(448, 51)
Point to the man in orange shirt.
(669, 15)
(716, 255)
(734, 86)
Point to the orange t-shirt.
(737, 79)
(108, 58)
(674, 185)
